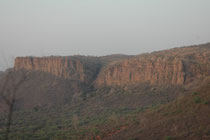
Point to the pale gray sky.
(99, 27)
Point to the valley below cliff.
(159, 95)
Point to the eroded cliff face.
(175, 66)
(62, 67)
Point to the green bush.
(196, 93)
(170, 138)
(36, 108)
(197, 100)
(206, 102)
(132, 139)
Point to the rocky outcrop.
(175, 66)
(72, 68)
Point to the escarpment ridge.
(62, 67)
(174, 66)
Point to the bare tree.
(11, 83)
(75, 121)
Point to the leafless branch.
(8, 94)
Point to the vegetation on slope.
(93, 115)
(145, 114)
(49, 107)
(187, 118)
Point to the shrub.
(170, 138)
(206, 102)
(197, 100)
(132, 139)
(36, 108)
(196, 93)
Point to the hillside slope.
(187, 118)
(163, 95)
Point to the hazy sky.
(99, 27)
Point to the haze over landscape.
(92, 27)
(104, 70)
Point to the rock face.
(63, 67)
(175, 66)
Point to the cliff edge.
(175, 66)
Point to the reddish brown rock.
(62, 67)
(175, 66)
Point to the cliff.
(174, 66)
(73, 68)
